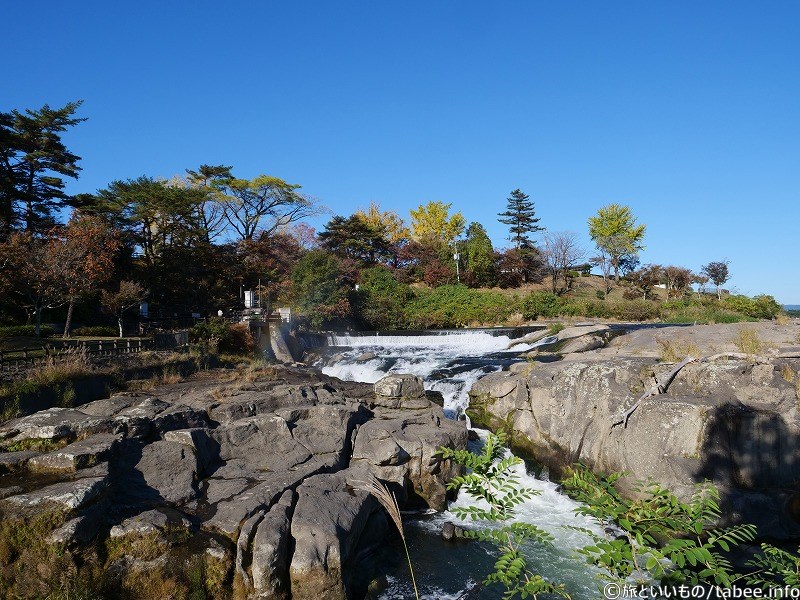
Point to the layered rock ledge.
(252, 475)
(734, 422)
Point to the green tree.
(264, 202)
(210, 213)
(433, 226)
(520, 216)
(382, 300)
(161, 224)
(356, 238)
(33, 164)
(616, 234)
(479, 257)
(319, 289)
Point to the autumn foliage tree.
(718, 273)
(677, 281)
(90, 248)
(642, 281)
(128, 295)
(433, 226)
(38, 268)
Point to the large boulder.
(400, 391)
(732, 422)
(328, 522)
(78, 455)
(405, 451)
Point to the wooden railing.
(18, 360)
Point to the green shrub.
(459, 306)
(25, 331)
(542, 304)
(662, 538)
(757, 307)
(96, 331)
(220, 335)
(634, 310)
(382, 300)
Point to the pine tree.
(33, 160)
(521, 219)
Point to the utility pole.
(456, 257)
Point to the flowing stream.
(451, 362)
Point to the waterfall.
(451, 362)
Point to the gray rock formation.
(257, 472)
(326, 535)
(732, 422)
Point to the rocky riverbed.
(212, 485)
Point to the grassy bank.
(397, 306)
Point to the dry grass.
(516, 320)
(782, 319)
(72, 363)
(148, 546)
(671, 351)
(748, 342)
(787, 372)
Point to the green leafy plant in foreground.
(775, 569)
(492, 480)
(656, 536)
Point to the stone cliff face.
(731, 422)
(254, 475)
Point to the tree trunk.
(119, 322)
(38, 326)
(719, 293)
(68, 324)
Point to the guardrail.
(22, 358)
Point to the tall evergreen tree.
(520, 216)
(33, 162)
(479, 257)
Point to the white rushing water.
(451, 363)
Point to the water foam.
(451, 363)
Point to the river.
(450, 362)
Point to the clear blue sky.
(689, 112)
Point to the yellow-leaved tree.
(615, 232)
(388, 222)
(432, 224)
